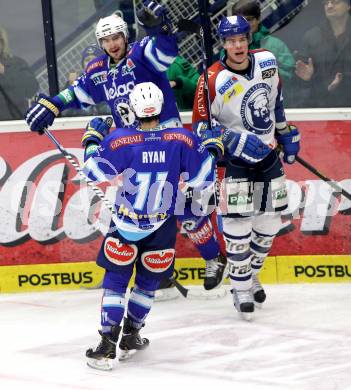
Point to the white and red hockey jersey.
(250, 102)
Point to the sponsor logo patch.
(178, 137)
(267, 63)
(202, 235)
(94, 65)
(226, 85)
(268, 73)
(99, 77)
(158, 261)
(127, 140)
(118, 252)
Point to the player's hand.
(289, 142)
(41, 114)
(96, 130)
(247, 147)
(153, 18)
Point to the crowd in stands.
(317, 75)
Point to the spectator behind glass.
(88, 54)
(183, 80)
(261, 38)
(325, 64)
(17, 82)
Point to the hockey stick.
(331, 182)
(218, 292)
(76, 166)
(190, 26)
(97, 190)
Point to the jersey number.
(146, 188)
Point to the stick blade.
(188, 26)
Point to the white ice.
(301, 339)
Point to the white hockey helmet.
(146, 100)
(112, 24)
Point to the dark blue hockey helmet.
(233, 25)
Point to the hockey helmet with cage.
(110, 25)
(146, 100)
(233, 25)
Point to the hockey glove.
(289, 141)
(42, 113)
(211, 137)
(153, 18)
(97, 129)
(247, 147)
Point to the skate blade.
(166, 294)
(103, 364)
(126, 355)
(215, 293)
(258, 305)
(246, 316)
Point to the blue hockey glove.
(97, 129)
(289, 141)
(211, 138)
(247, 147)
(153, 18)
(42, 113)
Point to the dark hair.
(247, 8)
(149, 119)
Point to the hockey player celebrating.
(246, 98)
(110, 78)
(151, 160)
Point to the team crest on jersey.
(125, 113)
(158, 261)
(128, 67)
(255, 111)
(119, 252)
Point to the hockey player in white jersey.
(246, 99)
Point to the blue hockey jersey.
(102, 81)
(151, 164)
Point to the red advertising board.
(47, 221)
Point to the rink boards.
(47, 243)
(87, 275)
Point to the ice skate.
(215, 272)
(258, 292)
(105, 353)
(244, 303)
(131, 341)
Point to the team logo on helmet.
(255, 109)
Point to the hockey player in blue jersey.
(110, 78)
(151, 159)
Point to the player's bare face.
(237, 48)
(115, 45)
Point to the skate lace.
(211, 268)
(243, 296)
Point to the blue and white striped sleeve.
(161, 51)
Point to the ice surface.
(301, 339)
